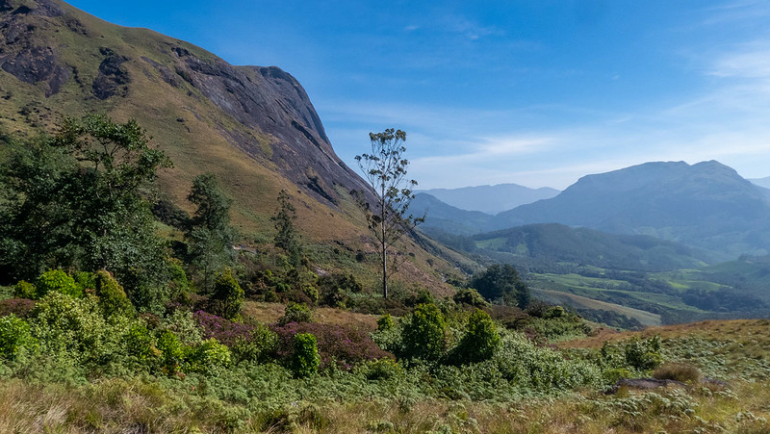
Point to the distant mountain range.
(707, 205)
(762, 182)
(491, 199)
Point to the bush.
(260, 346)
(643, 354)
(424, 331)
(208, 355)
(678, 371)
(296, 312)
(24, 289)
(480, 342)
(76, 326)
(305, 359)
(381, 369)
(57, 281)
(14, 337)
(172, 351)
(139, 343)
(178, 283)
(222, 329)
(385, 323)
(183, 324)
(228, 295)
(21, 307)
(470, 297)
(337, 344)
(112, 298)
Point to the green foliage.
(112, 298)
(228, 296)
(382, 369)
(260, 347)
(14, 337)
(286, 237)
(305, 359)
(172, 351)
(424, 333)
(208, 355)
(210, 235)
(501, 283)
(139, 343)
(643, 354)
(182, 324)
(24, 289)
(296, 312)
(178, 282)
(385, 323)
(58, 281)
(470, 297)
(388, 215)
(74, 201)
(66, 325)
(480, 341)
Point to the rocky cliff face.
(265, 111)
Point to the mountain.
(762, 182)
(446, 218)
(706, 205)
(491, 199)
(253, 127)
(555, 243)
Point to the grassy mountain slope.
(444, 217)
(253, 127)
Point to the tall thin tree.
(385, 170)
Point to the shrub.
(260, 346)
(172, 351)
(208, 355)
(228, 295)
(385, 323)
(470, 297)
(305, 359)
(221, 329)
(85, 280)
(481, 339)
(14, 336)
(677, 371)
(296, 312)
(311, 292)
(24, 289)
(337, 344)
(21, 307)
(183, 324)
(76, 326)
(139, 343)
(58, 281)
(381, 369)
(178, 283)
(112, 298)
(423, 333)
(643, 354)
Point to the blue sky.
(536, 92)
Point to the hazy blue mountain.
(446, 218)
(550, 244)
(706, 204)
(491, 199)
(762, 182)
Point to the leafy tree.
(228, 295)
(502, 283)
(210, 235)
(481, 339)
(387, 215)
(75, 201)
(286, 237)
(424, 332)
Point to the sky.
(535, 92)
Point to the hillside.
(556, 243)
(706, 205)
(491, 199)
(253, 127)
(447, 218)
